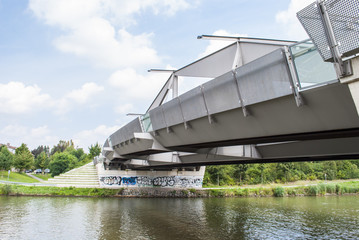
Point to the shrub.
(246, 192)
(239, 192)
(184, 192)
(278, 192)
(312, 178)
(322, 188)
(338, 189)
(291, 192)
(216, 193)
(192, 190)
(6, 189)
(313, 190)
(330, 188)
(267, 192)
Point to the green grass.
(57, 191)
(320, 189)
(17, 177)
(44, 177)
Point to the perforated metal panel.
(344, 18)
(310, 19)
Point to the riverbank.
(314, 189)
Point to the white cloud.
(17, 98)
(83, 94)
(137, 86)
(16, 134)
(33, 137)
(85, 138)
(215, 45)
(289, 21)
(124, 108)
(78, 96)
(90, 28)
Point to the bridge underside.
(284, 104)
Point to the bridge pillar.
(353, 82)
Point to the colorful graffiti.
(146, 181)
(129, 180)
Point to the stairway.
(84, 176)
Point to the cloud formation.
(96, 29)
(87, 137)
(33, 137)
(16, 98)
(215, 45)
(290, 23)
(77, 97)
(137, 86)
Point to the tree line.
(60, 158)
(280, 172)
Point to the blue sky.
(73, 69)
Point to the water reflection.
(232, 218)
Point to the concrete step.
(73, 180)
(85, 176)
(78, 174)
(77, 183)
(75, 177)
(80, 186)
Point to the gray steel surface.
(265, 78)
(126, 132)
(327, 108)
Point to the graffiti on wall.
(146, 181)
(129, 180)
(113, 180)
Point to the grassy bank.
(16, 177)
(44, 177)
(319, 189)
(18, 190)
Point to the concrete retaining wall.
(163, 179)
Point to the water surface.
(215, 218)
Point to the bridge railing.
(310, 68)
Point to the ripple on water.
(233, 218)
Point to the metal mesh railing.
(344, 19)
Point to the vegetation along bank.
(319, 189)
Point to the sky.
(73, 69)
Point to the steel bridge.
(267, 101)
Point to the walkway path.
(34, 177)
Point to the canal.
(210, 218)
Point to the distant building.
(12, 148)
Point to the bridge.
(266, 101)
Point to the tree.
(62, 146)
(95, 150)
(239, 171)
(78, 153)
(42, 161)
(6, 158)
(23, 158)
(61, 162)
(36, 152)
